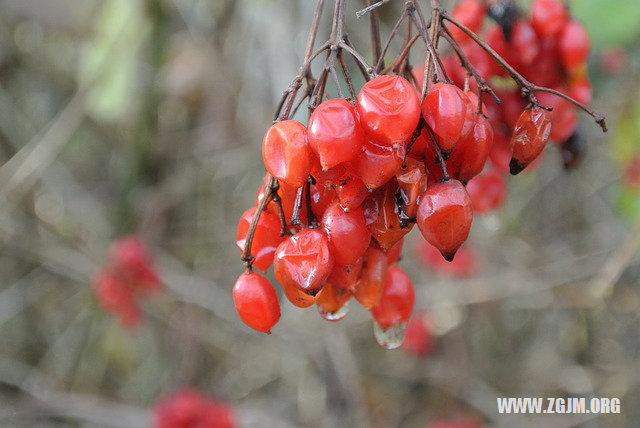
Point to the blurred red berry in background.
(188, 408)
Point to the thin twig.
(439, 157)
(370, 8)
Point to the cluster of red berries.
(549, 49)
(368, 172)
(128, 274)
(188, 408)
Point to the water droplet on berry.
(334, 316)
(390, 338)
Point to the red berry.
(412, 182)
(377, 164)
(471, 14)
(389, 109)
(303, 263)
(580, 89)
(345, 276)
(347, 233)
(116, 296)
(372, 278)
(286, 153)
(529, 138)
(469, 155)
(446, 110)
(632, 172)
(334, 132)
(382, 216)
(574, 45)
(331, 298)
(444, 217)
(524, 42)
(256, 301)
(487, 192)
(393, 253)
(397, 299)
(132, 261)
(548, 17)
(350, 189)
(265, 240)
(188, 408)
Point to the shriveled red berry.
(446, 110)
(286, 153)
(303, 262)
(397, 299)
(574, 45)
(389, 109)
(334, 132)
(256, 301)
(377, 164)
(265, 240)
(412, 182)
(487, 191)
(331, 299)
(393, 253)
(444, 217)
(548, 17)
(382, 216)
(345, 276)
(372, 278)
(347, 233)
(350, 189)
(529, 138)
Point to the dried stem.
(269, 190)
(412, 141)
(374, 24)
(311, 218)
(297, 206)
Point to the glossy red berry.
(529, 138)
(469, 156)
(548, 17)
(334, 132)
(331, 299)
(286, 153)
(369, 287)
(444, 217)
(382, 216)
(345, 276)
(397, 299)
(377, 164)
(347, 233)
(256, 301)
(412, 183)
(303, 263)
(389, 109)
(487, 192)
(574, 45)
(265, 240)
(350, 189)
(446, 109)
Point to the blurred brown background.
(131, 116)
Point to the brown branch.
(374, 24)
(439, 157)
(380, 62)
(371, 8)
(528, 88)
(246, 257)
(297, 206)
